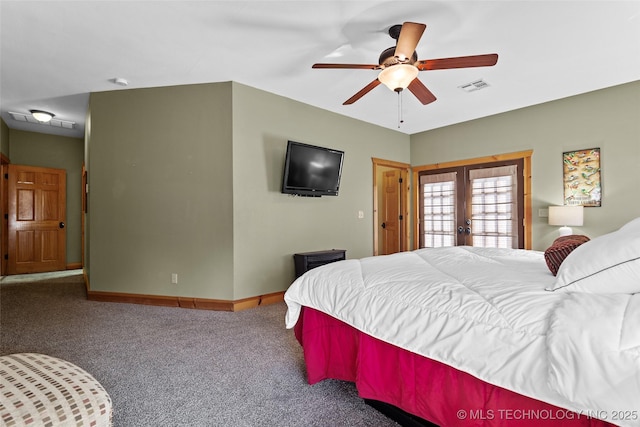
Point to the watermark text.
(544, 414)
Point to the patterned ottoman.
(39, 390)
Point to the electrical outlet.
(174, 278)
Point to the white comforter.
(486, 312)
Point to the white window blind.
(494, 209)
(439, 209)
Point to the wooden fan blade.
(408, 39)
(421, 92)
(458, 62)
(357, 66)
(362, 92)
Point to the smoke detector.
(120, 81)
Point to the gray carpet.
(177, 367)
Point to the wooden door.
(391, 212)
(476, 205)
(390, 206)
(4, 244)
(36, 223)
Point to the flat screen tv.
(310, 170)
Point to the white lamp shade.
(399, 76)
(565, 216)
(41, 116)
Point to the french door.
(474, 205)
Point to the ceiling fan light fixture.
(42, 116)
(398, 77)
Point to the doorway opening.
(391, 187)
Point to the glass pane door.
(477, 205)
(494, 207)
(438, 210)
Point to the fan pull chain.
(400, 119)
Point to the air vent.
(54, 122)
(473, 86)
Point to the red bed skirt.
(426, 388)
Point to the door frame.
(4, 204)
(405, 173)
(526, 171)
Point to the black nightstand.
(307, 260)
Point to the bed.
(465, 336)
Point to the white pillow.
(633, 225)
(608, 264)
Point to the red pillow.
(561, 247)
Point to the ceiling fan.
(399, 64)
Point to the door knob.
(61, 225)
(384, 225)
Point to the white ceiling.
(54, 53)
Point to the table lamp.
(566, 216)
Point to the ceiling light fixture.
(398, 77)
(28, 118)
(42, 116)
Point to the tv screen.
(310, 170)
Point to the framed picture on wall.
(582, 177)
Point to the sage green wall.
(269, 227)
(160, 191)
(59, 152)
(607, 118)
(186, 180)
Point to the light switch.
(543, 213)
(360, 214)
